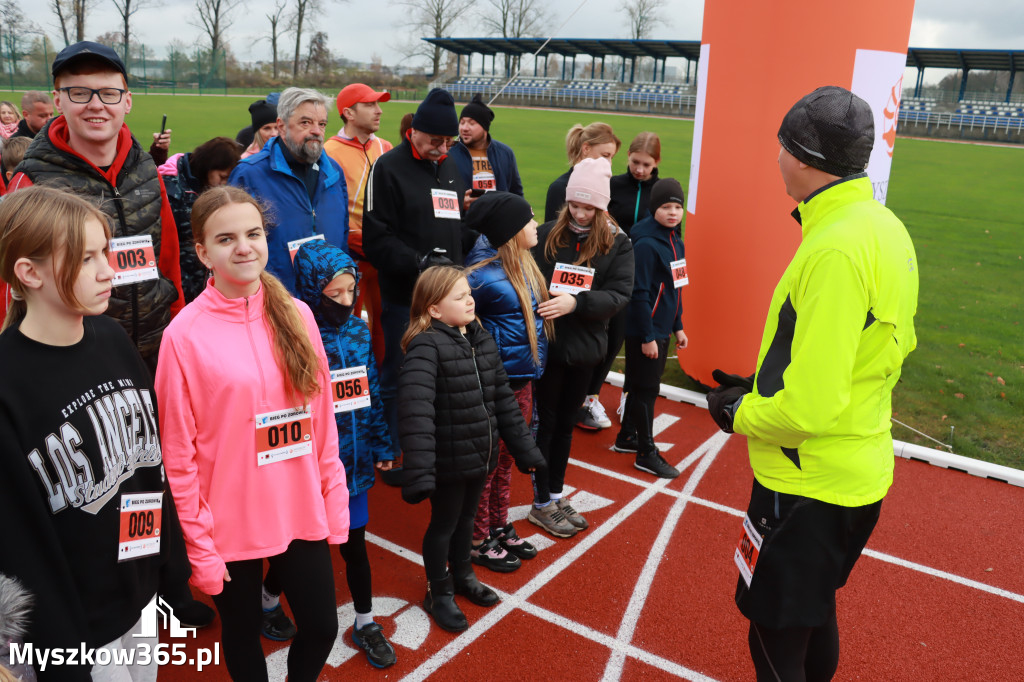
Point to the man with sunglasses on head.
(412, 218)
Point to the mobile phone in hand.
(163, 124)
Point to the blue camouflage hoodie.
(363, 437)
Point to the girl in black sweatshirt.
(456, 402)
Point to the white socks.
(270, 601)
(363, 619)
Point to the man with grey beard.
(303, 188)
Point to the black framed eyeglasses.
(80, 95)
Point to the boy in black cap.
(655, 313)
(484, 163)
(413, 208)
(89, 150)
(817, 413)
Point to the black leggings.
(560, 392)
(357, 569)
(449, 534)
(644, 378)
(616, 333)
(795, 654)
(308, 579)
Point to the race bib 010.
(284, 434)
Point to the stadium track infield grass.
(962, 204)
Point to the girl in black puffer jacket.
(454, 403)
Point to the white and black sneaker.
(592, 415)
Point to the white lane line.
(662, 422)
(952, 577)
(395, 548)
(593, 536)
(637, 601)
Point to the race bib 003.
(133, 259)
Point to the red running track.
(646, 592)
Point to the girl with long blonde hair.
(507, 288)
(71, 383)
(456, 404)
(251, 442)
(595, 141)
(588, 264)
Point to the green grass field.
(963, 204)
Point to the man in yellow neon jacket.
(817, 417)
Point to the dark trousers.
(795, 654)
(643, 376)
(449, 534)
(305, 572)
(616, 333)
(560, 392)
(357, 570)
(394, 319)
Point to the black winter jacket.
(399, 224)
(630, 199)
(555, 199)
(454, 401)
(581, 337)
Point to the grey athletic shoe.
(551, 519)
(571, 515)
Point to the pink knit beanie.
(589, 183)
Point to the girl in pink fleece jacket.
(250, 441)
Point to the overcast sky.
(360, 29)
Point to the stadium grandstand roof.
(917, 57)
(659, 49)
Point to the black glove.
(746, 383)
(435, 257)
(416, 494)
(721, 405)
(538, 463)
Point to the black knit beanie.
(436, 114)
(479, 112)
(262, 113)
(831, 129)
(499, 216)
(664, 191)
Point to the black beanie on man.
(499, 216)
(436, 114)
(479, 112)
(830, 129)
(665, 191)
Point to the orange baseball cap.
(358, 92)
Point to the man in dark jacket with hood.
(413, 208)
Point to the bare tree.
(60, 8)
(214, 20)
(276, 29)
(435, 19)
(127, 8)
(514, 19)
(305, 11)
(79, 10)
(644, 15)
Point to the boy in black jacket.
(655, 313)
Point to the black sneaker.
(511, 541)
(653, 463)
(193, 614)
(370, 638)
(277, 625)
(626, 442)
(490, 554)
